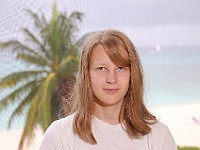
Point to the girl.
(108, 110)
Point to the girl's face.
(109, 82)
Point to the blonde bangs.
(116, 50)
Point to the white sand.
(178, 118)
(9, 140)
(184, 129)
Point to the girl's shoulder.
(63, 126)
(159, 129)
(161, 137)
(64, 122)
(158, 126)
(58, 134)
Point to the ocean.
(171, 75)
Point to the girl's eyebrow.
(99, 63)
(103, 64)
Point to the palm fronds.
(53, 52)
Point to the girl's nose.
(112, 77)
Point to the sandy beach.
(179, 119)
(9, 140)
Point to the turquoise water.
(6, 66)
(172, 77)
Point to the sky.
(146, 22)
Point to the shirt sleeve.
(162, 138)
(51, 139)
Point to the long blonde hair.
(136, 118)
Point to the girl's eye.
(121, 68)
(101, 68)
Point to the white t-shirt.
(60, 136)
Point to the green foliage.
(188, 148)
(54, 53)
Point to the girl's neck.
(107, 114)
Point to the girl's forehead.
(118, 55)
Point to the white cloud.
(169, 22)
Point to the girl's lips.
(111, 91)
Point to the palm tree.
(55, 56)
